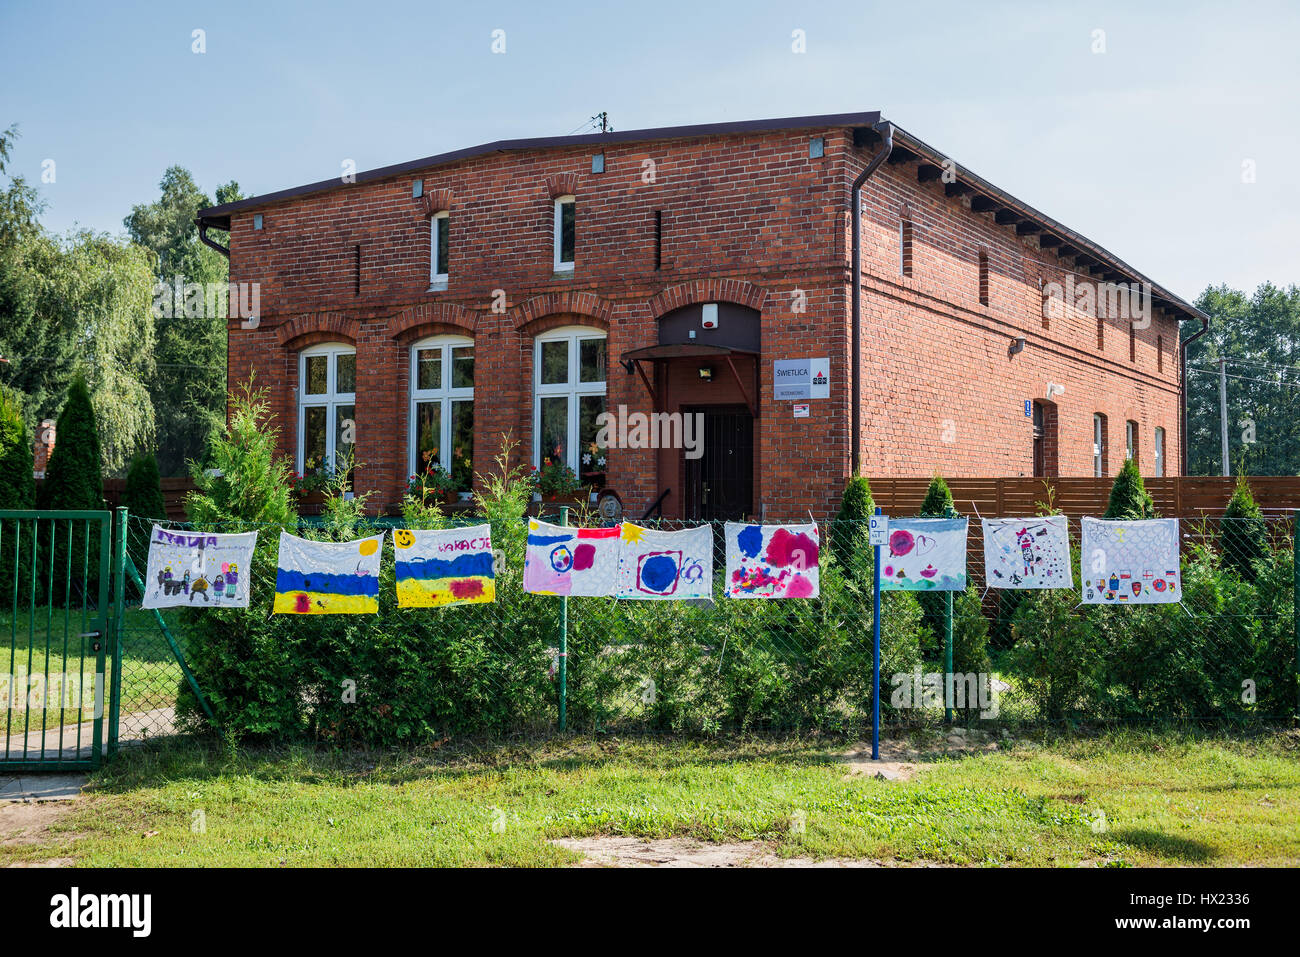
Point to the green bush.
(1243, 535)
(1056, 661)
(72, 478)
(936, 504)
(17, 489)
(850, 533)
(144, 503)
(17, 485)
(1128, 495)
(73, 482)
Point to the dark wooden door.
(720, 483)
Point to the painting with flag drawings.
(772, 561)
(449, 566)
(1130, 562)
(327, 578)
(563, 560)
(924, 554)
(1027, 553)
(197, 569)
(656, 565)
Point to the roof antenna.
(604, 122)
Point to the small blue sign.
(1029, 408)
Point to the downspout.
(203, 225)
(886, 131)
(1182, 424)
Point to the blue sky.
(1140, 148)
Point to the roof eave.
(214, 215)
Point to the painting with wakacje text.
(446, 566)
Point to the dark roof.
(218, 217)
(214, 213)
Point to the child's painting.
(657, 565)
(1130, 563)
(451, 566)
(924, 554)
(198, 569)
(563, 560)
(327, 578)
(772, 561)
(1027, 553)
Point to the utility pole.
(1223, 411)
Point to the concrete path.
(133, 728)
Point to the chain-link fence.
(1227, 651)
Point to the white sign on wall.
(795, 379)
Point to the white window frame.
(1098, 439)
(555, 236)
(572, 389)
(445, 395)
(437, 223)
(330, 399)
(1159, 443)
(1130, 438)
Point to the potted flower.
(434, 482)
(557, 484)
(309, 486)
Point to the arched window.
(442, 407)
(327, 386)
(569, 395)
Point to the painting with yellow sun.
(327, 578)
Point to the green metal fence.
(58, 632)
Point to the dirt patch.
(25, 823)
(682, 852)
(900, 761)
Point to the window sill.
(439, 285)
(562, 273)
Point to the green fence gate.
(58, 635)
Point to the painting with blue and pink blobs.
(924, 554)
(772, 561)
(656, 566)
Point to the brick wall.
(750, 219)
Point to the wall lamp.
(706, 373)
(1017, 345)
(628, 365)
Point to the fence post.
(1295, 600)
(115, 626)
(949, 683)
(875, 668)
(564, 639)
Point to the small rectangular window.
(565, 232)
(905, 247)
(1098, 444)
(439, 247)
(1160, 452)
(659, 238)
(1130, 439)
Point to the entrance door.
(720, 484)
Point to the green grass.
(1168, 798)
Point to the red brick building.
(429, 310)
